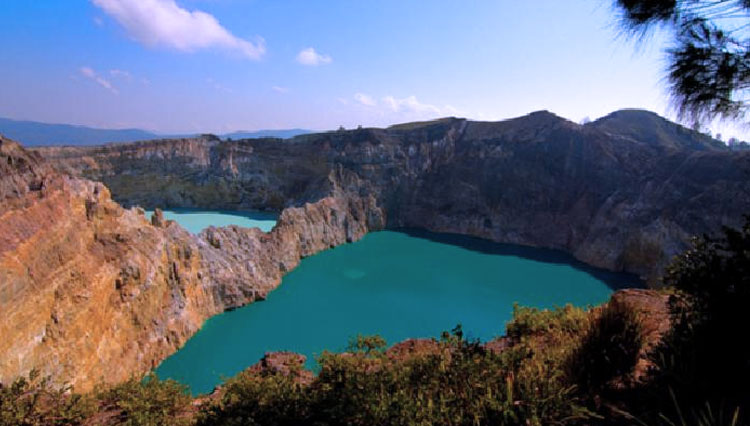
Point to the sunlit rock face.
(91, 292)
(625, 192)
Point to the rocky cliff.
(91, 292)
(624, 193)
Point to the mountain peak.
(651, 128)
(632, 113)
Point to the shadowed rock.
(91, 292)
(624, 193)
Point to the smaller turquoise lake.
(396, 284)
(195, 220)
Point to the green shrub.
(449, 382)
(529, 322)
(32, 401)
(147, 402)
(701, 367)
(609, 349)
(268, 398)
(367, 344)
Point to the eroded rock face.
(91, 292)
(624, 193)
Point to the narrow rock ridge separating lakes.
(91, 292)
(624, 193)
(94, 293)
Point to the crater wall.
(625, 193)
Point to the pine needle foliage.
(709, 56)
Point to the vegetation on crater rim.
(561, 366)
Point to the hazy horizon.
(219, 66)
(238, 131)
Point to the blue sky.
(223, 65)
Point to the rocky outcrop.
(284, 363)
(91, 292)
(94, 292)
(200, 172)
(624, 193)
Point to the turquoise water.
(396, 284)
(195, 220)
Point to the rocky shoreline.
(92, 292)
(624, 193)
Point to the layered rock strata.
(91, 292)
(624, 193)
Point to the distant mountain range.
(32, 133)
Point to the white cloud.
(92, 75)
(410, 104)
(312, 58)
(88, 72)
(164, 23)
(121, 74)
(279, 89)
(402, 108)
(455, 112)
(366, 100)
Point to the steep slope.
(91, 292)
(646, 126)
(624, 193)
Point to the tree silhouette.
(709, 60)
